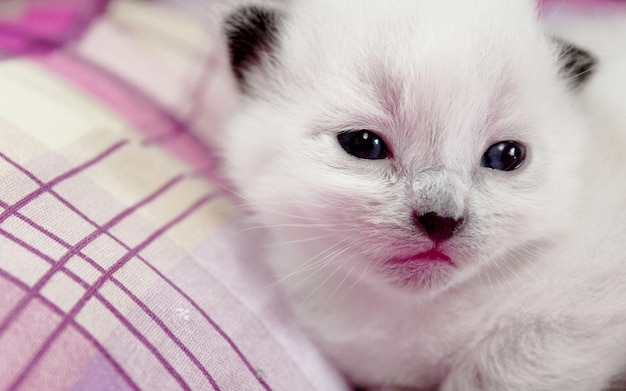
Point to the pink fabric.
(42, 24)
(123, 264)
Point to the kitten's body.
(534, 297)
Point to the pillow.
(123, 264)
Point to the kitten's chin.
(423, 271)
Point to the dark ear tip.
(250, 32)
(576, 64)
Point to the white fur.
(537, 298)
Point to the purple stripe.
(104, 228)
(100, 8)
(166, 330)
(201, 311)
(144, 340)
(107, 356)
(76, 249)
(85, 334)
(46, 187)
(56, 266)
(53, 237)
(40, 42)
(14, 280)
(34, 293)
(176, 125)
(27, 246)
(76, 278)
(136, 333)
(163, 138)
(204, 314)
(197, 99)
(98, 284)
(31, 39)
(22, 304)
(215, 326)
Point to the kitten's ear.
(252, 34)
(576, 65)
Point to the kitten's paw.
(533, 361)
(466, 377)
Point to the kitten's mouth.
(420, 271)
(431, 256)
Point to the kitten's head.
(413, 143)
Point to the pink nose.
(437, 228)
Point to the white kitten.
(441, 213)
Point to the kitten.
(441, 214)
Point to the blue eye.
(364, 145)
(504, 156)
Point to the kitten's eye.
(505, 156)
(364, 145)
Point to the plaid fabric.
(122, 265)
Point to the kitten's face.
(412, 145)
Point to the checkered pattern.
(121, 263)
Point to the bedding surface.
(123, 264)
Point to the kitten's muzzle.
(437, 228)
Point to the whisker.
(286, 225)
(348, 274)
(326, 257)
(327, 278)
(288, 242)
